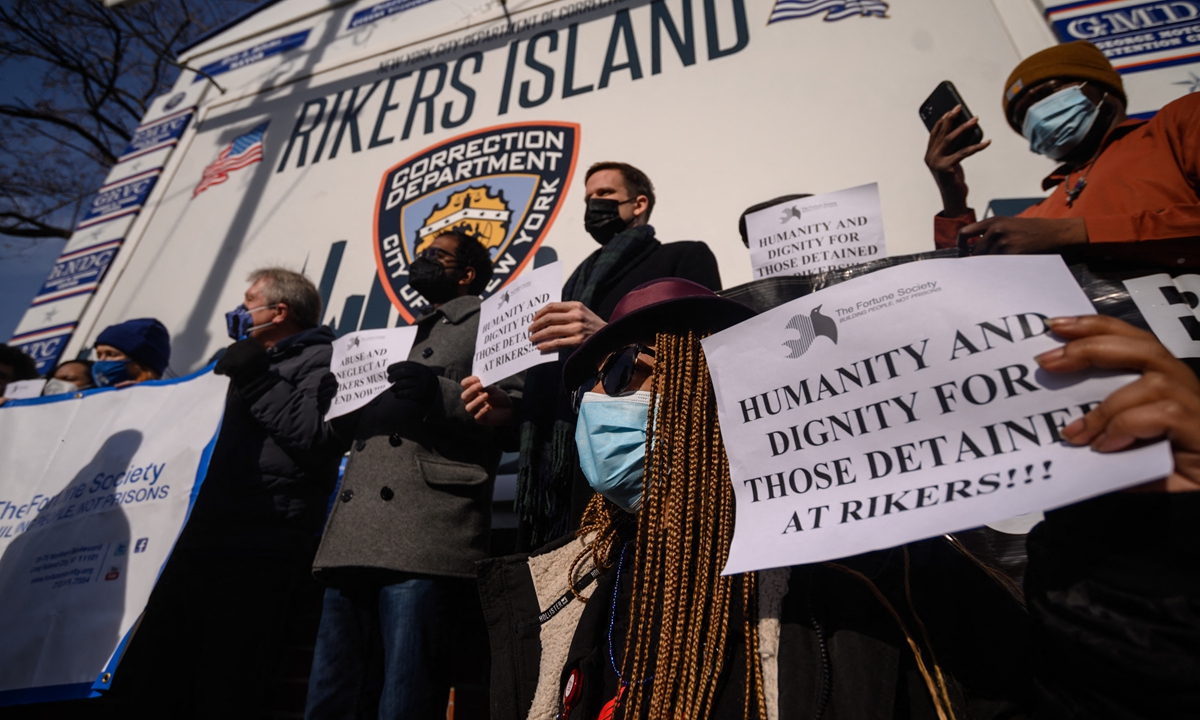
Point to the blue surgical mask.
(239, 323)
(1055, 125)
(611, 437)
(107, 373)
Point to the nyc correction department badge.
(502, 184)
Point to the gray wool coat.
(416, 496)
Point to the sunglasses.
(614, 375)
(437, 254)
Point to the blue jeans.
(384, 651)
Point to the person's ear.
(282, 313)
(640, 204)
(139, 372)
(468, 276)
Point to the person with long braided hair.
(633, 616)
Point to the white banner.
(805, 236)
(93, 494)
(906, 404)
(502, 347)
(360, 362)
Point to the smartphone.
(941, 101)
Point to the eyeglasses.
(614, 375)
(437, 254)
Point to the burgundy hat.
(667, 304)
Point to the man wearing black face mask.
(1126, 190)
(620, 199)
(413, 514)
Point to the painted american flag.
(244, 150)
(833, 9)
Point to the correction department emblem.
(503, 184)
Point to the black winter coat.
(688, 259)
(275, 461)
(1113, 587)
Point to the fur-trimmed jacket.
(828, 647)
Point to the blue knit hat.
(145, 340)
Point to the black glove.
(414, 383)
(243, 360)
(247, 365)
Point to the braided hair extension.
(675, 651)
(601, 521)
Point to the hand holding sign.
(907, 404)
(488, 405)
(1165, 401)
(563, 326)
(361, 362)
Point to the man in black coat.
(551, 490)
(212, 630)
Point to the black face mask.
(602, 220)
(431, 279)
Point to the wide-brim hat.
(664, 305)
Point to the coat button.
(427, 352)
(346, 495)
(360, 445)
(445, 321)
(386, 493)
(395, 439)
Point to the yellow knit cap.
(1079, 60)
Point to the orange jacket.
(1142, 199)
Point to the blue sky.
(24, 263)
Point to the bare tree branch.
(92, 73)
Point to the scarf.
(546, 468)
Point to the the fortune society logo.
(810, 327)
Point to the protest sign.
(502, 347)
(24, 389)
(93, 493)
(360, 363)
(1169, 306)
(905, 404)
(804, 236)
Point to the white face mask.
(54, 386)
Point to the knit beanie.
(1079, 60)
(145, 340)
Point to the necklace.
(612, 618)
(1081, 183)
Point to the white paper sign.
(1170, 308)
(502, 348)
(905, 404)
(804, 236)
(93, 494)
(22, 389)
(360, 363)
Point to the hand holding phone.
(942, 100)
(954, 135)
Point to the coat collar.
(322, 335)
(455, 311)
